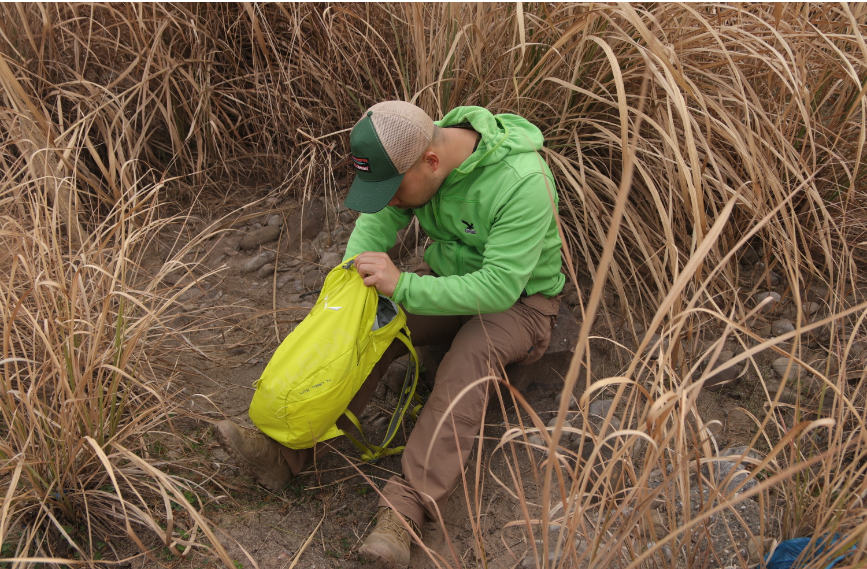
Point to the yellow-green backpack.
(320, 365)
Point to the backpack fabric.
(319, 366)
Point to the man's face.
(418, 186)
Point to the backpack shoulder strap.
(372, 453)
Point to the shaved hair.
(438, 136)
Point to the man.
(489, 287)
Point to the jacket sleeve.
(376, 232)
(520, 221)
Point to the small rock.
(600, 408)
(653, 346)
(230, 251)
(306, 304)
(811, 308)
(819, 337)
(265, 270)
(658, 526)
(307, 222)
(595, 418)
(762, 275)
(340, 235)
(220, 455)
(756, 556)
(394, 377)
(275, 221)
(190, 294)
(751, 255)
(780, 327)
(313, 279)
(537, 441)
(665, 550)
(214, 294)
(787, 397)
(764, 331)
(566, 437)
(236, 351)
(219, 260)
(330, 260)
(309, 252)
(723, 468)
(771, 304)
(817, 292)
(573, 403)
(740, 451)
(259, 237)
(773, 278)
(283, 279)
(323, 239)
(780, 366)
(571, 299)
(726, 377)
(255, 263)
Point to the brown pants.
(480, 346)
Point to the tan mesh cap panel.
(404, 130)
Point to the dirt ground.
(236, 319)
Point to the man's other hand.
(378, 270)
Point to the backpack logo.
(469, 228)
(334, 308)
(362, 164)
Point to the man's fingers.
(376, 270)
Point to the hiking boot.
(388, 543)
(259, 454)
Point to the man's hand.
(378, 270)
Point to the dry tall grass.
(83, 388)
(680, 135)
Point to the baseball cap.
(385, 143)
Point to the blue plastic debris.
(790, 550)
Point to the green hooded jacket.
(492, 224)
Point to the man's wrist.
(396, 295)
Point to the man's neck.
(458, 144)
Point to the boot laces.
(261, 447)
(389, 522)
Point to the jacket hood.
(502, 135)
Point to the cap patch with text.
(362, 164)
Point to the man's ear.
(432, 159)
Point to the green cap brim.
(370, 197)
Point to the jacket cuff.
(398, 294)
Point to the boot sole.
(273, 483)
(381, 560)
